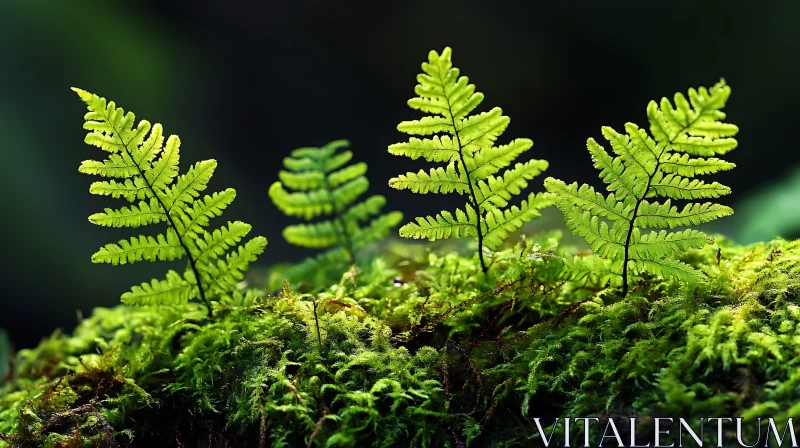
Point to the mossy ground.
(422, 352)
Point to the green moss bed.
(423, 351)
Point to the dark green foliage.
(684, 139)
(142, 168)
(326, 187)
(466, 144)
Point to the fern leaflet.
(685, 138)
(324, 186)
(466, 145)
(143, 169)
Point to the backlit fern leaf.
(324, 186)
(144, 170)
(466, 145)
(685, 138)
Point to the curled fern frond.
(466, 145)
(143, 169)
(686, 138)
(324, 186)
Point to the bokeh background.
(246, 82)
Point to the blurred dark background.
(246, 83)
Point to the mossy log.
(425, 352)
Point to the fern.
(466, 145)
(685, 137)
(143, 169)
(324, 186)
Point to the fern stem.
(316, 323)
(337, 216)
(630, 232)
(639, 202)
(192, 262)
(474, 197)
(475, 203)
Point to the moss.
(424, 351)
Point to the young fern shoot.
(685, 139)
(324, 186)
(466, 145)
(144, 171)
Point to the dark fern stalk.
(685, 137)
(466, 143)
(316, 324)
(473, 198)
(347, 242)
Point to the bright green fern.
(685, 137)
(143, 169)
(465, 144)
(326, 187)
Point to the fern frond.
(658, 245)
(500, 223)
(465, 142)
(188, 186)
(347, 174)
(166, 167)
(221, 277)
(320, 267)
(491, 160)
(443, 225)
(191, 220)
(377, 229)
(436, 149)
(497, 191)
(612, 171)
(364, 210)
(304, 205)
(304, 180)
(318, 235)
(164, 248)
(667, 268)
(585, 197)
(438, 180)
(215, 244)
(114, 166)
(590, 270)
(325, 186)
(145, 168)
(147, 212)
(344, 195)
(660, 215)
(681, 145)
(683, 165)
(694, 126)
(606, 241)
(173, 290)
(129, 189)
(677, 187)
